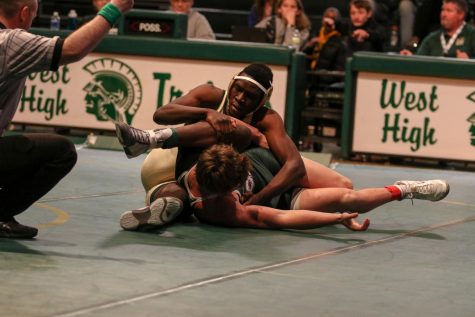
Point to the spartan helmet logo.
(114, 93)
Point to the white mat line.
(261, 269)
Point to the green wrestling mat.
(414, 260)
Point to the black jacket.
(374, 43)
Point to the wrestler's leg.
(201, 134)
(343, 199)
(319, 176)
(168, 202)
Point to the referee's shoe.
(13, 229)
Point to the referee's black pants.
(30, 166)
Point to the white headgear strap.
(255, 82)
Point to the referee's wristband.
(111, 13)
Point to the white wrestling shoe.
(136, 141)
(433, 190)
(162, 211)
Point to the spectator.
(282, 27)
(198, 26)
(365, 33)
(260, 9)
(455, 38)
(327, 50)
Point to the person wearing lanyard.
(455, 38)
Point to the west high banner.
(103, 88)
(408, 115)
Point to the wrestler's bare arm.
(82, 41)
(192, 107)
(229, 212)
(200, 104)
(293, 168)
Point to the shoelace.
(419, 188)
(423, 189)
(140, 136)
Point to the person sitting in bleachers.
(365, 33)
(289, 21)
(198, 25)
(455, 38)
(260, 9)
(327, 50)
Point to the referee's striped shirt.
(22, 53)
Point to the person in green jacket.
(455, 38)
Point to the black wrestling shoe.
(14, 230)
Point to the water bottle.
(55, 21)
(72, 20)
(394, 39)
(295, 40)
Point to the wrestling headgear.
(261, 76)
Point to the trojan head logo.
(114, 93)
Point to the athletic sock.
(172, 140)
(396, 193)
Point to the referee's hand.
(123, 5)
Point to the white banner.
(102, 88)
(414, 116)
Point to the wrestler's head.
(221, 169)
(249, 90)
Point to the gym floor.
(415, 260)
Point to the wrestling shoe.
(162, 211)
(15, 230)
(136, 141)
(433, 190)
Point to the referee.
(32, 164)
